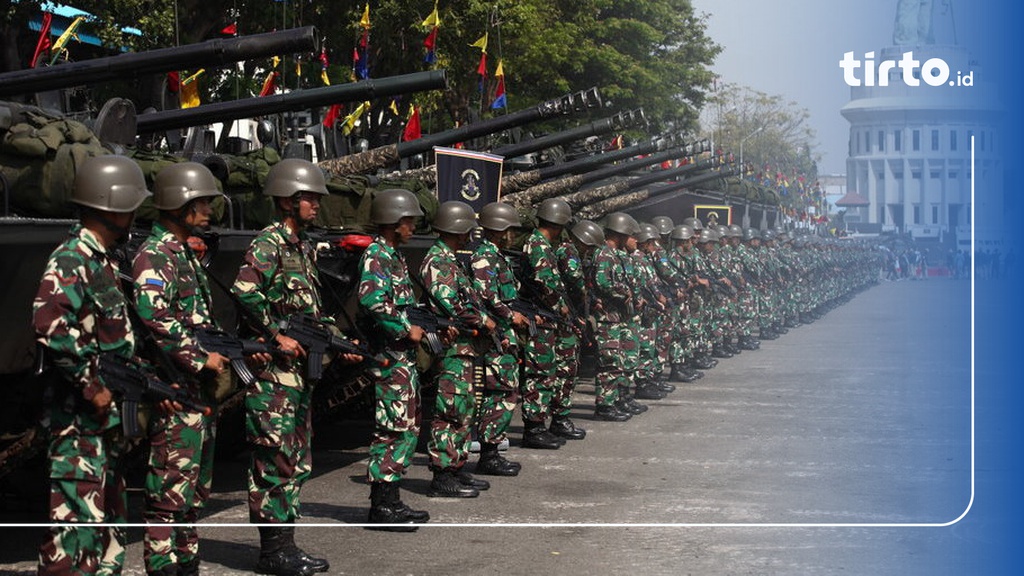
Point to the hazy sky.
(793, 48)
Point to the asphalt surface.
(807, 456)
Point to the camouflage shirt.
(278, 277)
(544, 271)
(80, 311)
(612, 285)
(384, 290)
(570, 266)
(496, 284)
(173, 296)
(452, 290)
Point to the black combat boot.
(169, 570)
(719, 351)
(678, 373)
(315, 564)
(627, 404)
(275, 557)
(387, 508)
(492, 463)
(767, 334)
(190, 568)
(748, 343)
(647, 391)
(466, 479)
(446, 485)
(563, 427)
(665, 387)
(611, 413)
(535, 435)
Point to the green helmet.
(708, 235)
(694, 223)
(622, 223)
(292, 176)
(498, 217)
(179, 184)
(555, 211)
(647, 232)
(110, 183)
(735, 231)
(588, 233)
(455, 217)
(664, 224)
(682, 232)
(751, 234)
(391, 205)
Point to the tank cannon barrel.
(620, 121)
(295, 100)
(379, 157)
(202, 54)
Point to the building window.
(917, 213)
(881, 141)
(935, 140)
(867, 142)
(897, 140)
(981, 141)
(935, 214)
(935, 174)
(858, 142)
(953, 175)
(952, 140)
(916, 144)
(915, 174)
(897, 175)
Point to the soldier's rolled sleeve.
(258, 268)
(375, 298)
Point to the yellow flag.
(350, 120)
(365, 20)
(189, 92)
(500, 71)
(481, 43)
(274, 62)
(323, 76)
(433, 19)
(298, 67)
(393, 107)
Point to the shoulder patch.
(155, 282)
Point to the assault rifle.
(532, 310)
(433, 325)
(133, 385)
(318, 339)
(236, 349)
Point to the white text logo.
(934, 71)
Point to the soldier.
(614, 308)
(79, 312)
(652, 316)
(452, 295)
(278, 278)
(173, 300)
(567, 347)
(384, 292)
(544, 283)
(496, 283)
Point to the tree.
(773, 132)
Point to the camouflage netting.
(39, 153)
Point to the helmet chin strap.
(122, 234)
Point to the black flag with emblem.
(709, 214)
(471, 177)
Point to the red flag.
(173, 81)
(270, 84)
(230, 29)
(43, 44)
(412, 128)
(430, 43)
(482, 68)
(332, 115)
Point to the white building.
(910, 148)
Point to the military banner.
(472, 177)
(708, 214)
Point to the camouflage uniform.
(174, 300)
(540, 380)
(667, 325)
(567, 344)
(495, 282)
(616, 343)
(80, 311)
(278, 278)
(646, 328)
(384, 290)
(452, 288)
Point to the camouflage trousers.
(397, 417)
(454, 405)
(86, 486)
(567, 365)
(537, 386)
(617, 350)
(746, 312)
(279, 427)
(499, 396)
(702, 327)
(680, 347)
(180, 461)
(648, 361)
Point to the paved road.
(862, 417)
